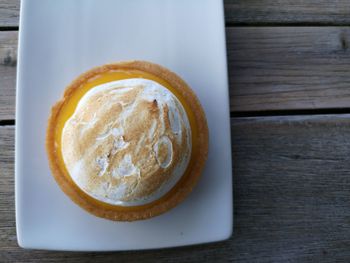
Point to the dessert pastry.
(127, 141)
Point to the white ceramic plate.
(61, 39)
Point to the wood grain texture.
(323, 12)
(292, 198)
(288, 68)
(9, 13)
(8, 61)
(270, 68)
(247, 12)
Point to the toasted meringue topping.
(128, 142)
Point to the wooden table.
(289, 68)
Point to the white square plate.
(61, 39)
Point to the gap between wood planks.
(285, 24)
(7, 122)
(9, 28)
(233, 115)
(246, 24)
(298, 112)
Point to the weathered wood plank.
(8, 61)
(247, 12)
(292, 193)
(9, 13)
(286, 68)
(270, 68)
(288, 12)
(292, 184)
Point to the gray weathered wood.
(284, 68)
(270, 68)
(8, 61)
(9, 13)
(288, 12)
(292, 197)
(247, 12)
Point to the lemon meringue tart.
(128, 141)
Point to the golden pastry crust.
(174, 196)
